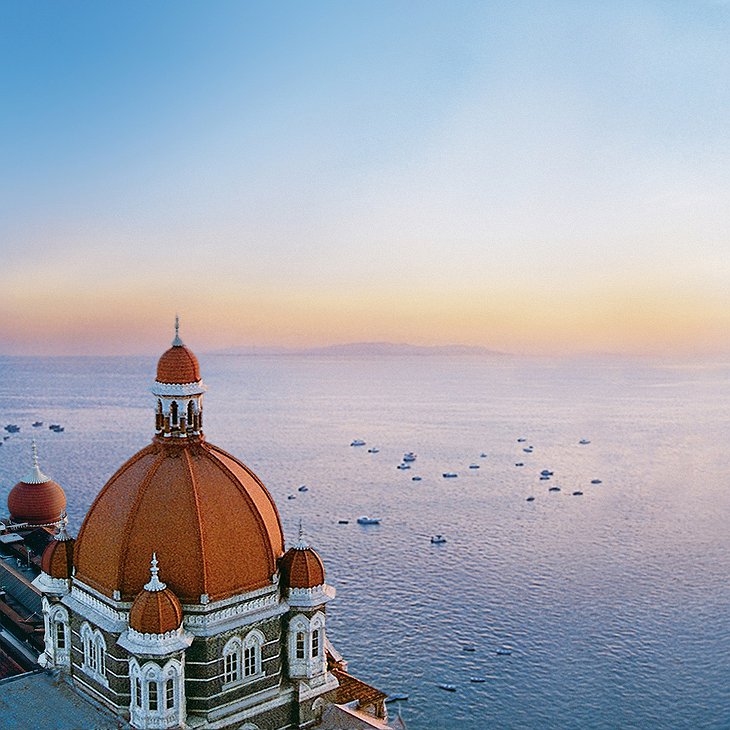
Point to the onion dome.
(156, 609)
(301, 566)
(57, 559)
(178, 365)
(37, 499)
(207, 515)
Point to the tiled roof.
(57, 559)
(36, 503)
(184, 501)
(351, 689)
(155, 612)
(178, 365)
(301, 567)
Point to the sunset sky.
(538, 177)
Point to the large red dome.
(40, 504)
(212, 523)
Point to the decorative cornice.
(172, 390)
(238, 614)
(310, 597)
(155, 644)
(54, 586)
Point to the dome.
(156, 609)
(211, 521)
(57, 558)
(37, 498)
(178, 365)
(301, 567)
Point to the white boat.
(482, 455)
(357, 442)
(438, 540)
(403, 466)
(397, 697)
(448, 687)
(477, 680)
(409, 456)
(365, 520)
(505, 651)
(374, 450)
(304, 488)
(449, 475)
(583, 442)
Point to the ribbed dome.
(37, 498)
(212, 522)
(178, 365)
(301, 567)
(57, 558)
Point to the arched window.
(232, 661)
(315, 642)
(252, 653)
(60, 634)
(138, 692)
(300, 645)
(100, 652)
(173, 412)
(169, 693)
(191, 413)
(87, 639)
(152, 695)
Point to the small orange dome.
(301, 567)
(57, 559)
(178, 365)
(156, 609)
(37, 498)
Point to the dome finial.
(177, 342)
(302, 544)
(155, 583)
(62, 535)
(36, 476)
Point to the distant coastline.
(365, 349)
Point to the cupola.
(156, 609)
(301, 567)
(179, 392)
(57, 558)
(37, 499)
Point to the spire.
(177, 342)
(35, 476)
(155, 583)
(62, 535)
(302, 544)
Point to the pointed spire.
(302, 544)
(62, 535)
(36, 476)
(177, 342)
(155, 583)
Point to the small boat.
(520, 463)
(449, 475)
(530, 499)
(554, 489)
(58, 429)
(504, 651)
(5, 438)
(521, 440)
(374, 450)
(303, 488)
(403, 467)
(578, 493)
(583, 442)
(397, 697)
(54, 426)
(12, 428)
(528, 450)
(546, 473)
(473, 466)
(37, 424)
(292, 496)
(438, 540)
(357, 442)
(477, 680)
(482, 455)
(416, 479)
(469, 647)
(409, 456)
(596, 481)
(544, 478)
(343, 522)
(365, 520)
(447, 687)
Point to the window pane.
(169, 694)
(60, 636)
(315, 643)
(300, 645)
(152, 695)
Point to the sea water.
(615, 604)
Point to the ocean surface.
(615, 604)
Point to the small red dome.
(155, 612)
(178, 365)
(57, 559)
(301, 567)
(39, 504)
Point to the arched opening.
(173, 413)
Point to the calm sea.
(616, 603)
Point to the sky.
(533, 177)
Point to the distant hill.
(367, 349)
